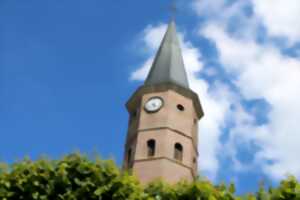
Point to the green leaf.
(98, 192)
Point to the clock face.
(154, 104)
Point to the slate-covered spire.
(168, 66)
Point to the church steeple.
(168, 66)
(162, 137)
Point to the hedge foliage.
(76, 177)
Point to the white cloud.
(223, 12)
(262, 72)
(141, 73)
(152, 36)
(281, 17)
(215, 107)
(210, 8)
(298, 53)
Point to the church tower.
(162, 137)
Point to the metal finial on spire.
(173, 10)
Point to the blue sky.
(68, 67)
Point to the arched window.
(151, 147)
(178, 151)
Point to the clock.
(154, 104)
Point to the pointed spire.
(168, 66)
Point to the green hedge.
(76, 177)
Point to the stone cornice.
(135, 98)
(166, 158)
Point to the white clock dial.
(153, 104)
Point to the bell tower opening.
(178, 152)
(151, 148)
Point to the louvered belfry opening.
(178, 152)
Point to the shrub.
(75, 177)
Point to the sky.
(67, 68)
